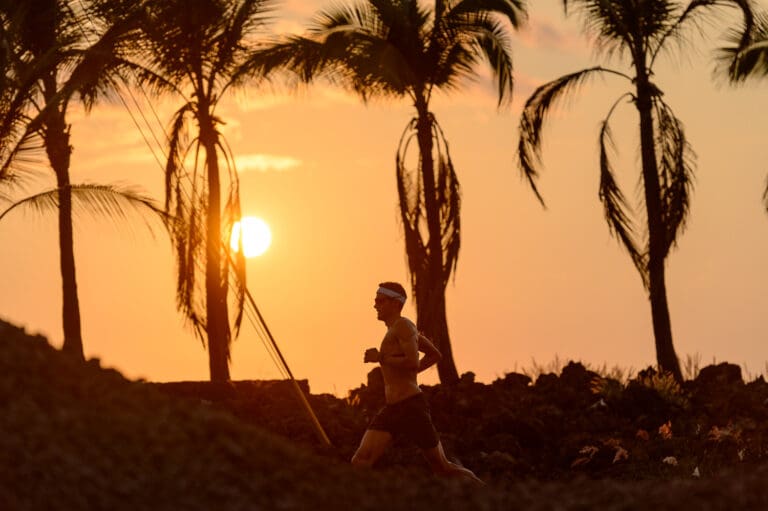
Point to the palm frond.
(466, 39)
(177, 38)
(374, 48)
(294, 57)
(101, 68)
(456, 61)
(615, 207)
(689, 16)
(15, 98)
(188, 238)
(343, 45)
(177, 144)
(154, 83)
(607, 20)
(3, 196)
(746, 54)
(232, 213)
(253, 15)
(697, 11)
(449, 199)
(100, 201)
(514, 11)
(234, 43)
(185, 204)
(411, 205)
(21, 155)
(500, 59)
(24, 155)
(535, 112)
(676, 163)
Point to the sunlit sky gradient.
(532, 284)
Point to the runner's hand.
(372, 355)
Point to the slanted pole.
(316, 423)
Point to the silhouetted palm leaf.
(676, 163)
(696, 14)
(535, 113)
(746, 53)
(20, 159)
(100, 201)
(617, 211)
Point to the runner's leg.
(372, 446)
(441, 465)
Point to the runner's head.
(391, 292)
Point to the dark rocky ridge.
(77, 436)
(560, 427)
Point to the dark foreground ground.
(77, 436)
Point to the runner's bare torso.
(401, 340)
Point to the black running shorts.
(409, 418)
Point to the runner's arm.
(431, 354)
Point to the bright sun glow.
(255, 233)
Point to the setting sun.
(256, 236)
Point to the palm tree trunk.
(432, 320)
(215, 292)
(430, 300)
(662, 328)
(56, 137)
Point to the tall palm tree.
(197, 50)
(406, 49)
(746, 57)
(51, 53)
(638, 30)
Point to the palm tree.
(51, 53)
(197, 50)
(747, 57)
(404, 49)
(639, 30)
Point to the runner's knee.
(362, 459)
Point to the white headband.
(392, 294)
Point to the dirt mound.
(77, 436)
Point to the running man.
(406, 412)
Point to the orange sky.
(532, 284)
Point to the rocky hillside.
(77, 436)
(556, 428)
